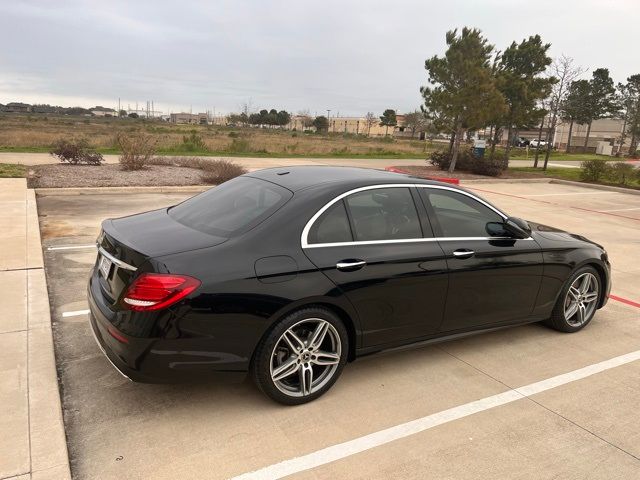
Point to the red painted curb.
(454, 181)
(624, 300)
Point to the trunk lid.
(126, 243)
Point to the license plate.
(104, 266)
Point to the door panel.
(493, 279)
(498, 284)
(399, 294)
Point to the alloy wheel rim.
(305, 357)
(581, 300)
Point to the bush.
(593, 170)
(239, 145)
(137, 150)
(76, 152)
(468, 162)
(233, 134)
(219, 171)
(621, 172)
(490, 167)
(193, 143)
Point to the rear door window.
(384, 214)
(231, 208)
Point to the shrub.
(492, 167)
(137, 150)
(468, 162)
(193, 143)
(219, 171)
(593, 170)
(239, 145)
(75, 152)
(621, 172)
(233, 134)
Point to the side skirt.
(384, 349)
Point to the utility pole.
(328, 117)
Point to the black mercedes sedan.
(287, 274)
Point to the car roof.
(299, 177)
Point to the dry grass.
(40, 131)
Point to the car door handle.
(350, 265)
(463, 253)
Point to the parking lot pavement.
(584, 426)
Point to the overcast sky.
(347, 56)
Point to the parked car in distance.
(535, 143)
(521, 142)
(287, 274)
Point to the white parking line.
(75, 313)
(72, 247)
(572, 193)
(376, 439)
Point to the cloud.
(349, 56)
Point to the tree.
(305, 118)
(321, 123)
(255, 119)
(133, 115)
(122, 113)
(415, 121)
(630, 106)
(370, 120)
(388, 119)
(235, 119)
(565, 71)
(462, 92)
(574, 106)
(519, 79)
(601, 101)
(283, 118)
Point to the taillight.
(153, 291)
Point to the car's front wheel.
(302, 357)
(578, 301)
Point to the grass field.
(572, 174)
(37, 133)
(10, 170)
(521, 154)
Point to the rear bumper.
(158, 360)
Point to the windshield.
(231, 208)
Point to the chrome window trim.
(116, 261)
(309, 224)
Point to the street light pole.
(328, 117)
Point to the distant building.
(608, 130)
(189, 118)
(100, 111)
(17, 107)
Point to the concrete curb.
(41, 192)
(506, 180)
(49, 455)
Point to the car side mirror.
(517, 228)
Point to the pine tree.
(462, 92)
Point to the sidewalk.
(32, 440)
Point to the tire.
(289, 356)
(586, 302)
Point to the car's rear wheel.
(302, 357)
(578, 301)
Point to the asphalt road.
(481, 407)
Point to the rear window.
(232, 208)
